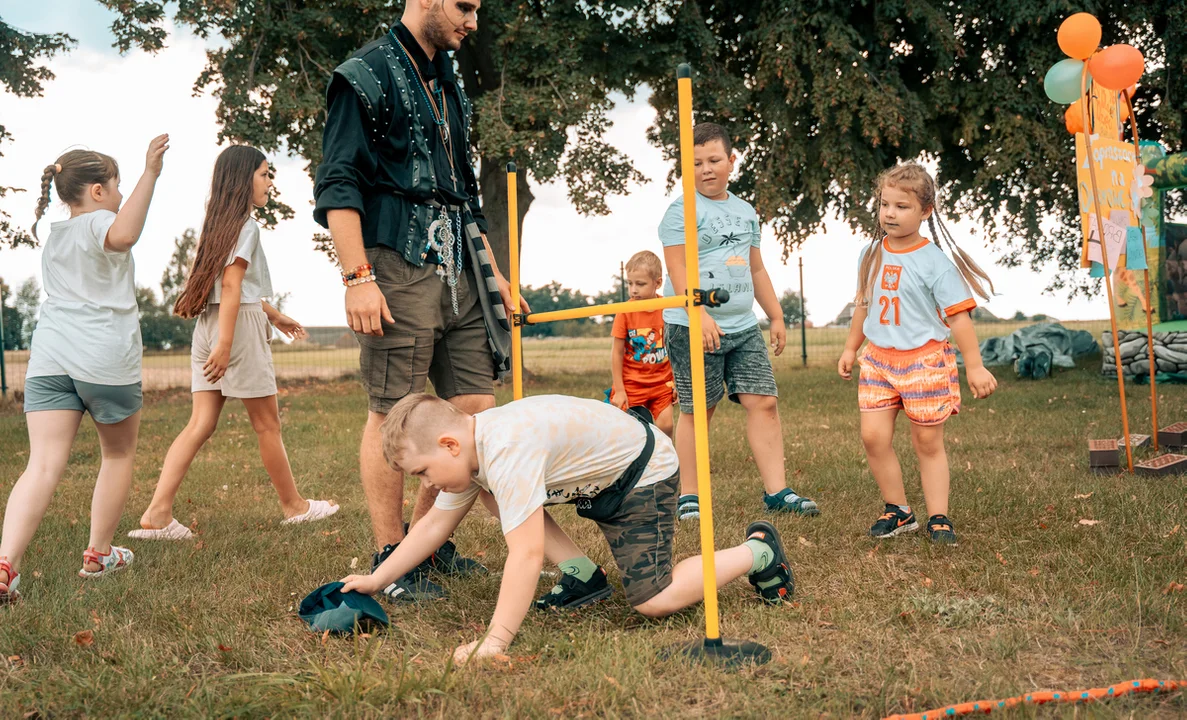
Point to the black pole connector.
(510, 167)
(684, 70)
(713, 297)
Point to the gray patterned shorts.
(741, 365)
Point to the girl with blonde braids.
(910, 297)
(85, 354)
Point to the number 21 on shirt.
(890, 281)
(887, 303)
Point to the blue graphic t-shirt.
(727, 229)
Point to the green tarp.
(1034, 350)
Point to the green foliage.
(821, 97)
(175, 274)
(23, 76)
(536, 71)
(11, 320)
(27, 302)
(160, 329)
(793, 307)
(555, 296)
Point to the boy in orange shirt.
(639, 362)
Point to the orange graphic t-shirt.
(645, 366)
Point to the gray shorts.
(250, 374)
(107, 404)
(740, 365)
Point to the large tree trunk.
(480, 77)
(492, 178)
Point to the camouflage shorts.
(640, 537)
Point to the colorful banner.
(1114, 162)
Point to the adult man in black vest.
(400, 198)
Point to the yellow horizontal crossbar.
(660, 303)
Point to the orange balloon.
(1117, 67)
(1131, 90)
(1073, 119)
(1079, 35)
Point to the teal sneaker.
(786, 501)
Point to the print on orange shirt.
(645, 361)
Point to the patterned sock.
(905, 509)
(581, 568)
(787, 495)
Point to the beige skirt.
(250, 373)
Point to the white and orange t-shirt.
(915, 291)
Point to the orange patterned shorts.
(923, 382)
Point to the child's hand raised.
(155, 160)
(845, 364)
(981, 382)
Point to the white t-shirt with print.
(89, 324)
(549, 449)
(257, 281)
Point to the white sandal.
(318, 510)
(117, 558)
(173, 531)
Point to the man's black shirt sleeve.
(349, 161)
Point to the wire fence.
(332, 353)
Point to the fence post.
(803, 318)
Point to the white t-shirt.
(549, 449)
(89, 326)
(257, 281)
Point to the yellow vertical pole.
(696, 350)
(513, 244)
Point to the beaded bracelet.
(359, 280)
(358, 272)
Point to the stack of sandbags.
(1170, 353)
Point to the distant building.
(845, 316)
(339, 337)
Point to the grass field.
(543, 356)
(1033, 598)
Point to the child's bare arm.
(425, 537)
(853, 342)
(521, 574)
(228, 312)
(618, 397)
(129, 221)
(677, 269)
(981, 381)
(764, 293)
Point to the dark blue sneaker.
(414, 586)
(786, 501)
(893, 522)
(939, 527)
(571, 593)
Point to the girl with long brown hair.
(910, 297)
(85, 355)
(230, 356)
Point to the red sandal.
(8, 589)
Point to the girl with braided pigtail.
(85, 354)
(918, 297)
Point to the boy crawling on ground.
(548, 450)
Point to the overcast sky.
(115, 104)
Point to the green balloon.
(1062, 82)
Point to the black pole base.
(725, 653)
